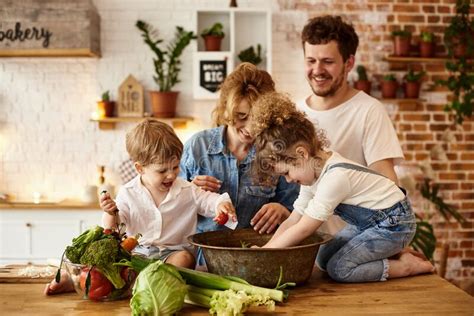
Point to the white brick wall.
(47, 142)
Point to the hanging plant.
(459, 41)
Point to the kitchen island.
(424, 294)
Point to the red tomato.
(128, 274)
(221, 219)
(100, 286)
(108, 231)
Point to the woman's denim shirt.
(206, 154)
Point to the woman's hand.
(268, 217)
(107, 204)
(207, 183)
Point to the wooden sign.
(130, 98)
(49, 28)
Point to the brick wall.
(48, 144)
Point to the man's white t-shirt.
(359, 129)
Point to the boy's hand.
(225, 208)
(207, 183)
(107, 204)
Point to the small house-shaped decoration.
(130, 98)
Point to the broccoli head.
(80, 243)
(103, 254)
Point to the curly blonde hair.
(246, 82)
(278, 127)
(153, 142)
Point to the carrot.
(130, 243)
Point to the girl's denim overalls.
(359, 252)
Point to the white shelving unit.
(243, 28)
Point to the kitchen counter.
(425, 294)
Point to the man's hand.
(268, 217)
(207, 183)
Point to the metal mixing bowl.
(225, 255)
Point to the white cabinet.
(36, 235)
(242, 28)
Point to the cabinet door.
(14, 239)
(49, 238)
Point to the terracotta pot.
(106, 108)
(389, 89)
(401, 45)
(364, 85)
(412, 90)
(212, 43)
(163, 104)
(427, 49)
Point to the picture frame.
(209, 71)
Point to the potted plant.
(167, 65)
(105, 106)
(249, 55)
(389, 86)
(458, 36)
(427, 46)
(213, 37)
(363, 82)
(401, 42)
(412, 84)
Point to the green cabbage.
(159, 290)
(235, 303)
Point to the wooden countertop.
(425, 294)
(74, 205)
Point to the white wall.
(47, 142)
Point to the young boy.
(157, 204)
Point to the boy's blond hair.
(152, 142)
(246, 82)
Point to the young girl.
(380, 219)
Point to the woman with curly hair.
(219, 159)
(380, 219)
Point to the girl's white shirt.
(341, 185)
(168, 225)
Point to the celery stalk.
(212, 281)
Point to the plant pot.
(389, 89)
(163, 104)
(364, 85)
(412, 90)
(427, 49)
(212, 43)
(401, 45)
(106, 108)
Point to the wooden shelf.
(401, 100)
(108, 123)
(414, 59)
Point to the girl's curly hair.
(246, 82)
(278, 126)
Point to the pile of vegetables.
(162, 289)
(99, 250)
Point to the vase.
(212, 43)
(163, 104)
(401, 45)
(412, 90)
(389, 89)
(364, 85)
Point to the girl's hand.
(225, 208)
(107, 204)
(268, 217)
(207, 183)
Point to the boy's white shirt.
(341, 185)
(168, 225)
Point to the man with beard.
(356, 124)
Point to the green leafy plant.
(251, 56)
(105, 96)
(461, 78)
(389, 77)
(427, 37)
(214, 30)
(425, 239)
(413, 76)
(167, 62)
(401, 33)
(362, 73)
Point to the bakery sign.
(49, 28)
